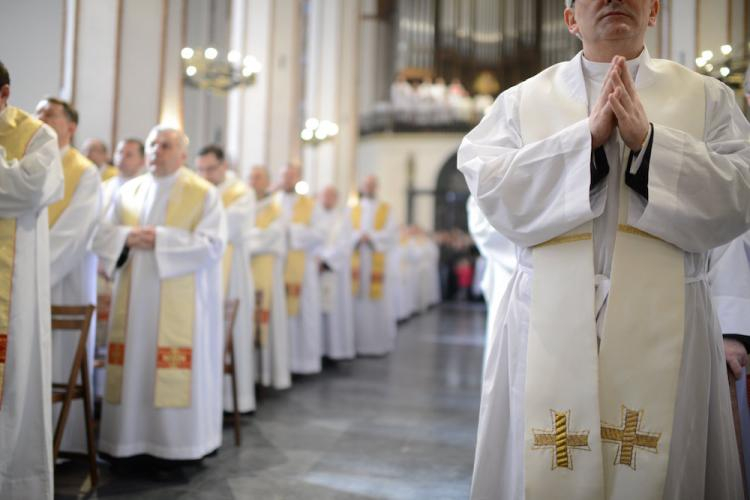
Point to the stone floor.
(399, 427)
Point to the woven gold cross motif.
(561, 440)
(629, 436)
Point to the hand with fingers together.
(602, 121)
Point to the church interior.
(319, 96)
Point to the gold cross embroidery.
(628, 437)
(561, 440)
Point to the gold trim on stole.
(262, 268)
(16, 131)
(294, 273)
(230, 195)
(377, 275)
(74, 165)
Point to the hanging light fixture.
(317, 131)
(208, 69)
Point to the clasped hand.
(619, 106)
(142, 238)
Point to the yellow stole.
(177, 297)
(74, 164)
(108, 172)
(599, 417)
(262, 266)
(378, 258)
(16, 131)
(233, 193)
(295, 260)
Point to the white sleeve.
(729, 276)
(241, 218)
(70, 237)
(34, 181)
(529, 192)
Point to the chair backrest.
(230, 316)
(74, 318)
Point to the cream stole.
(377, 275)
(185, 207)
(263, 266)
(232, 193)
(74, 164)
(16, 131)
(599, 421)
(294, 272)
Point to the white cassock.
(273, 358)
(403, 267)
(536, 191)
(73, 282)
(375, 320)
(240, 222)
(305, 339)
(135, 425)
(429, 274)
(500, 255)
(27, 185)
(729, 276)
(336, 286)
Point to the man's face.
(95, 151)
(4, 96)
(54, 115)
(329, 197)
(609, 20)
(128, 159)
(259, 181)
(164, 151)
(211, 168)
(370, 186)
(289, 178)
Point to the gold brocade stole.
(233, 193)
(594, 409)
(74, 164)
(108, 172)
(174, 354)
(294, 273)
(262, 266)
(378, 258)
(16, 131)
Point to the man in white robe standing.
(96, 151)
(335, 257)
(72, 221)
(237, 279)
(163, 393)
(301, 219)
(640, 167)
(374, 235)
(268, 247)
(31, 178)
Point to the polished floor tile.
(400, 427)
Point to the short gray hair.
(184, 141)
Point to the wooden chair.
(75, 318)
(230, 315)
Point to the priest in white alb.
(614, 173)
(72, 222)
(304, 235)
(374, 235)
(237, 279)
(335, 264)
(163, 394)
(31, 178)
(268, 248)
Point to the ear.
(5, 92)
(570, 20)
(655, 8)
(72, 129)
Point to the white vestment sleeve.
(109, 240)
(489, 241)
(337, 253)
(729, 276)
(385, 239)
(529, 192)
(34, 181)
(699, 190)
(71, 235)
(240, 218)
(180, 252)
(268, 240)
(307, 237)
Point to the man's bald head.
(260, 180)
(369, 187)
(96, 151)
(329, 197)
(290, 176)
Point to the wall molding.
(118, 61)
(162, 57)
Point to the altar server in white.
(72, 222)
(614, 174)
(335, 257)
(31, 178)
(374, 236)
(237, 279)
(163, 394)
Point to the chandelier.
(724, 65)
(317, 131)
(205, 69)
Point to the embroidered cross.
(628, 437)
(561, 440)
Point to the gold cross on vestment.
(628, 437)
(561, 440)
